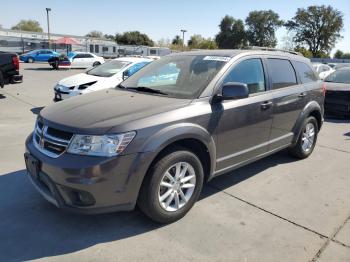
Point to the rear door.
(77, 61)
(289, 99)
(244, 124)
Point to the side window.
(281, 72)
(78, 56)
(87, 55)
(97, 48)
(91, 48)
(249, 72)
(306, 74)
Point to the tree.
(133, 38)
(164, 42)
(232, 33)
(28, 25)
(341, 55)
(109, 37)
(199, 42)
(261, 28)
(177, 40)
(95, 34)
(317, 27)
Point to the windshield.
(108, 69)
(180, 76)
(339, 76)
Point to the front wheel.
(172, 186)
(96, 64)
(30, 60)
(307, 139)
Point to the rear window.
(305, 72)
(281, 72)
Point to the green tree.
(232, 33)
(177, 40)
(109, 37)
(28, 25)
(199, 42)
(95, 34)
(133, 38)
(261, 28)
(341, 55)
(316, 27)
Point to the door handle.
(266, 105)
(301, 95)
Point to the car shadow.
(337, 119)
(31, 228)
(36, 110)
(2, 96)
(39, 69)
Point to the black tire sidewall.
(153, 208)
(2, 80)
(96, 64)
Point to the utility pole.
(183, 38)
(48, 26)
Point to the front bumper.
(87, 184)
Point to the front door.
(245, 124)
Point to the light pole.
(183, 38)
(48, 25)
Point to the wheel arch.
(311, 109)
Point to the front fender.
(171, 134)
(310, 107)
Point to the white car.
(107, 75)
(323, 70)
(84, 60)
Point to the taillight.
(324, 89)
(15, 62)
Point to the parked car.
(323, 70)
(155, 143)
(104, 76)
(42, 55)
(337, 99)
(84, 59)
(9, 69)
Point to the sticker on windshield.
(217, 58)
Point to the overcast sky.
(157, 18)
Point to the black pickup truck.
(9, 69)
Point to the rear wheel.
(96, 64)
(306, 140)
(172, 186)
(30, 60)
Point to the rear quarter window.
(281, 72)
(305, 72)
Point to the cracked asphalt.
(276, 209)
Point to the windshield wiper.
(147, 89)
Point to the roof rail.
(274, 49)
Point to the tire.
(96, 64)
(303, 149)
(2, 81)
(30, 60)
(149, 200)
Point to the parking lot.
(276, 209)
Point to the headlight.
(107, 145)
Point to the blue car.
(41, 55)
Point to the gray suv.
(175, 124)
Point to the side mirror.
(234, 90)
(126, 74)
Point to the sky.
(157, 18)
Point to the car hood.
(337, 86)
(98, 112)
(78, 79)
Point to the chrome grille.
(50, 141)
